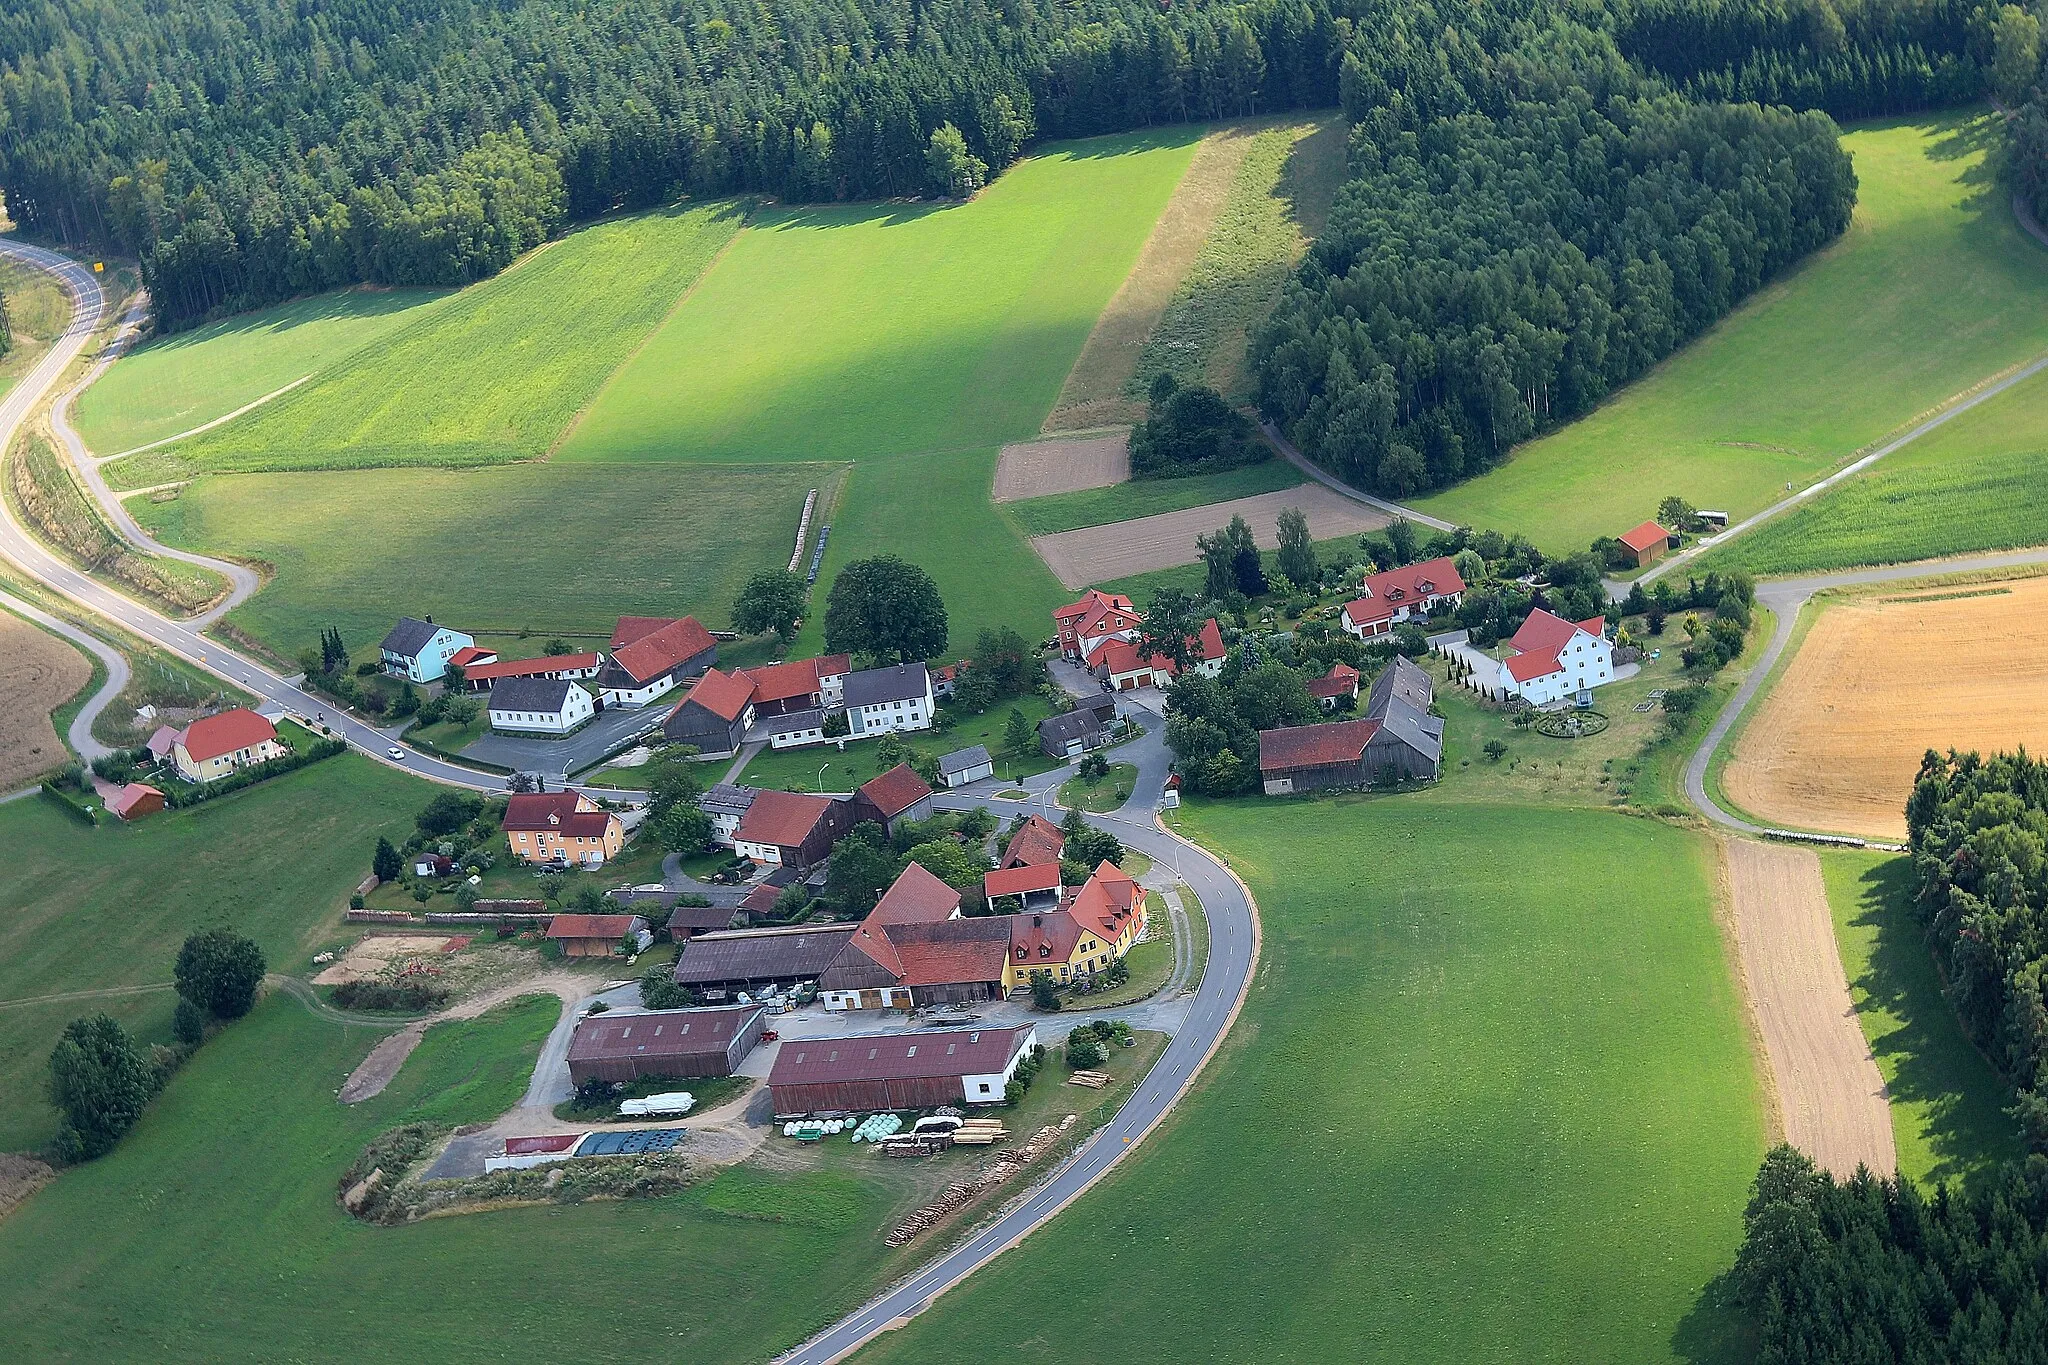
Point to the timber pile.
(980, 1132)
(1005, 1168)
(1094, 1080)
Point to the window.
(912, 1052)
(984, 1087)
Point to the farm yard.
(38, 673)
(1826, 362)
(1972, 484)
(492, 373)
(1427, 1113)
(1117, 550)
(1881, 677)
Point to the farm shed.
(719, 964)
(594, 935)
(899, 794)
(680, 1043)
(897, 1071)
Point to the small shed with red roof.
(1647, 543)
(136, 800)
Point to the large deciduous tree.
(219, 971)
(776, 600)
(885, 609)
(101, 1082)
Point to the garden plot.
(1098, 554)
(1880, 680)
(380, 954)
(1035, 469)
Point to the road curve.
(1234, 937)
(1785, 597)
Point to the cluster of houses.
(1105, 633)
(801, 702)
(916, 947)
(555, 694)
(205, 750)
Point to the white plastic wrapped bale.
(673, 1102)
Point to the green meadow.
(1971, 484)
(492, 373)
(1490, 1099)
(1948, 1105)
(546, 548)
(190, 378)
(869, 330)
(105, 909)
(1933, 289)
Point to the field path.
(242, 580)
(1834, 1103)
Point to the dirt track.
(376, 1070)
(1834, 1103)
(1879, 680)
(1033, 469)
(1101, 554)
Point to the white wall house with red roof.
(1551, 659)
(1124, 664)
(1081, 627)
(1387, 600)
(214, 746)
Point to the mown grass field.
(493, 373)
(1933, 289)
(1490, 1099)
(190, 378)
(1948, 1105)
(547, 548)
(1144, 497)
(1972, 484)
(106, 908)
(869, 330)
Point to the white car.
(396, 753)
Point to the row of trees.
(415, 142)
(1532, 222)
(101, 1079)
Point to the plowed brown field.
(38, 673)
(1033, 469)
(1879, 680)
(1100, 554)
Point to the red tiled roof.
(1542, 633)
(917, 897)
(1314, 746)
(1385, 593)
(778, 682)
(1122, 657)
(1037, 840)
(590, 926)
(1536, 663)
(784, 819)
(212, 736)
(896, 1056)
(470, 654)
(1107, 618)
(1648, 536)
(1340, 681)
(529, 668)
(943, 962)
(565, 813)
(724, 695)
(655, 653)
(631, 628)
(1107, 901)
(1093, 600)
(123, 801)
(1015, 881)
(1208, 641)
(1042, 938)
(895, 791)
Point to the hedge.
(77, 808)
(182, 795)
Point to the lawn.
(1106, 793)
(106, 908)
(877, 329)
(1145, 497)
(1973, 484)
(797, 769)
(1948, 1105)
(1933, 289)
(493, 373)
(1489, 1098)
(543, 548)
(189, 378)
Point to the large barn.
(679, 1043)
(897, 1070)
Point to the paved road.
(181, 638)
(1233, 954)
(1785, 597)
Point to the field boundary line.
(202, 427)
(660, 326)
(1731, 947)
(99, 993)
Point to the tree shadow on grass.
(1931, 1063)
(1715, 1331)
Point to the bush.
(188, 1022)
(101, 1082)
(407, 997)
(1084, 1051)
(1043, 996)
(219, 970)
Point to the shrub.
(1043, 996)
(1084, 1050)
(101, 1082)
(188, 1022)
(408, 997)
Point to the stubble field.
(1880, 679)
(38, 673)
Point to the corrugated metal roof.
(761, 955)
(897, 1057)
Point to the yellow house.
(562, 827)
(1095, 929)
(214, 746)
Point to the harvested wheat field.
(1099, 554)
(1036, 469)
(1882, 678)
(1831, 1099)
(38, 674)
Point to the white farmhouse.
(1553, 659)
(879, 700)
(539, 706)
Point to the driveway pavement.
(560, 757)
